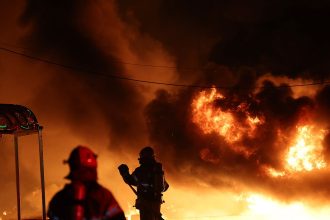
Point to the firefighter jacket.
(97, 203)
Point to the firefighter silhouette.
(150, 182)
(84, 198)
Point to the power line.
(98, 73)
(103, 74)
(119, 60)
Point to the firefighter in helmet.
(84, 198)
(150, 182)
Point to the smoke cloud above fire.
(249, 135)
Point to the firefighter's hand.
(123, 170)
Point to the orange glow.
(131, 212)
(275, 173)
(212, 119)
(304, 147)
(263, 207)
(305, 154)
(206, 155)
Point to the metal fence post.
(18, 193)
(42, 176)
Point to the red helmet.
(83, 164)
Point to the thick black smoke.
(284, 37)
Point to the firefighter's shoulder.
(63, 194)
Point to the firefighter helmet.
(82, 163)
(147, 152)
(147, 156)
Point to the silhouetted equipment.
(18, 120)
(150, 182)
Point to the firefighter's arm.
(128, 178)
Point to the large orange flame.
(304, 148)
(212, 119)
(305, 153)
